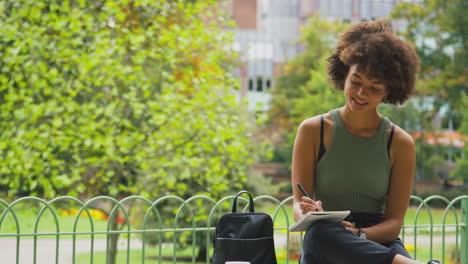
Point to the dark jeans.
(331, 243)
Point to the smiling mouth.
(359, 102)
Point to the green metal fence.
(171, 229)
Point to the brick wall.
(245, 13)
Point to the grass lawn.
(27, 219)
(423, 217)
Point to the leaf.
(93, 109)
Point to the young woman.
(353, 158)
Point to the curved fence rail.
(173, 230)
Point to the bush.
(450, 194)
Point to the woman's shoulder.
(310, 129)
(313, 123)
(402, 150)
(402, 140)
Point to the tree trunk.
(201, 254)
(112, 249)
(115, 226)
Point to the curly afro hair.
(380, 54)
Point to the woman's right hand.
(308, 205)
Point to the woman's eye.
(354, 82)
(375, 89)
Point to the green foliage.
(302, 89)
(411, 116)
(461, 171)
(317, 39)
(408, 116)
(438, 30)
(117, 97)
(450, 194)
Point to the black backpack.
(244, 237)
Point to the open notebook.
(311, 217)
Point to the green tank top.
(354, 173)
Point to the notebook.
(311, 217)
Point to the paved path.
(46, 247)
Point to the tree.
(461, 171)
(118, 97)
(302, 90)
(412, 117)
(438, 30)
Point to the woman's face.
(363, 93)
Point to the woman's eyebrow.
(357, 75)
(376, 81)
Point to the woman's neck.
(360, 121)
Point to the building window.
(282, 8)
(259, 84)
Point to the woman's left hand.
(350, 227)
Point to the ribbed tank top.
(354, 172)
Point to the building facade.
(267, 30)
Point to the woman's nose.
(361, 91)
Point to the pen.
(305, 193)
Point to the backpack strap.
(234, 203)
(390, 138)
(322, 149)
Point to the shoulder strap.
(390, 139)
(322, 146)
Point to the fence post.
(464, 232)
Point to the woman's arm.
(401, 181)
(303, 165)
